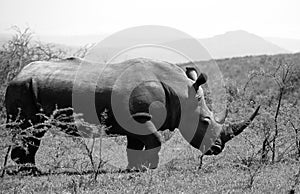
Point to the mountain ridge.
(230, 44)
(239, 43)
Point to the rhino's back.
(55, 74)
(80, 76)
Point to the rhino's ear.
(191, 73)
(200, 80)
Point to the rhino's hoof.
(30, 171)
(25, 171)
(128, 170)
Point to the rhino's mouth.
(216, 148)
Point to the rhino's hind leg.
(142, 150)
(24, 155)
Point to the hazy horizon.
(200, 19)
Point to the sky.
(199, 18)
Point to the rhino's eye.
(199, 97)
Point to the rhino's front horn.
(221, 116)
(236, 129)
(228, 133)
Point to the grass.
(61, 160)
(180, 176)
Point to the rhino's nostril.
(205, 120)
(216, 149)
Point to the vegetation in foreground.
(263, 159)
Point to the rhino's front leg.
(152, 147)
(134, 152)
(142, 150)
(142, 158)
(151, 158)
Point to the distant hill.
(240, 43)
(231, 44)
(286, 43)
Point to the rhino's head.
(209, 134)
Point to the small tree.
(282, 76)
(21, 50)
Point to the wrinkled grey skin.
(150, 96)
